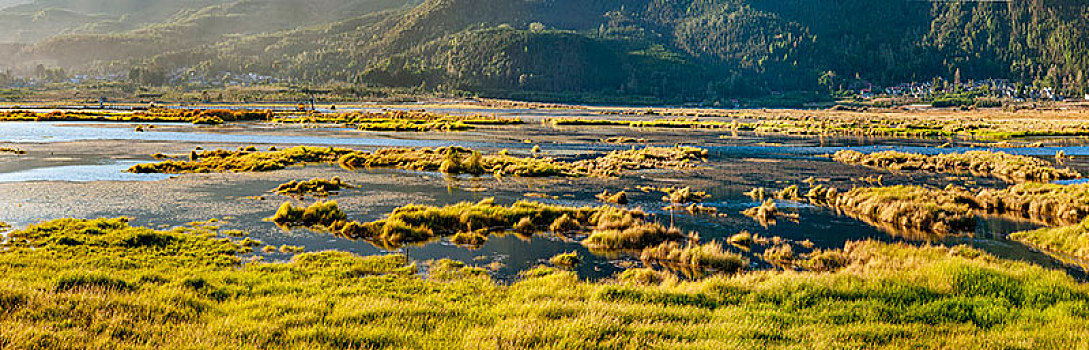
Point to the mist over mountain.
(682, 50)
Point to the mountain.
(669, 50)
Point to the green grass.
(96, 289)
(1071, 240)
(1001, 165)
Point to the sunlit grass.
(102, 284)
(982, 163)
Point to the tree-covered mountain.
(676, 50)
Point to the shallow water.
(36, 187)
(113, 171)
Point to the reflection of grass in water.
(984, 163)
(120, 287)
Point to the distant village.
(995, 88)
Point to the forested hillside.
(676, 50)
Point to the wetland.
(711, 214)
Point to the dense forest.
(675, 50)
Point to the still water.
(736, 164)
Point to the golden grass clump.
(474, 221)
(614, 198)
(566, 260)
(325, 215)
(826, 260)
(695, 257)
(683, 195)
(1001, 165)
(1072, 240)
(319, 187)
(455, 160)
(1049, 203)
(742, 239)
(12, 150)
(635, 236)
(910, 209)
(780, 254)
(615, 162)
(766, 212)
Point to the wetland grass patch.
(467, 223)
(448, 160)
(194, 291)
(1072, 240)
(614, 198)
(566, 260)
(695, 257)
(224, 161)
(195, 116)
(318, 187)
(401, 121)
(1001, 165)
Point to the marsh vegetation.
(316, 187)
(194, 283)
(447, 160)
(980, 163)
(400, 121)
(611, 276)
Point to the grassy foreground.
(102, 284)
